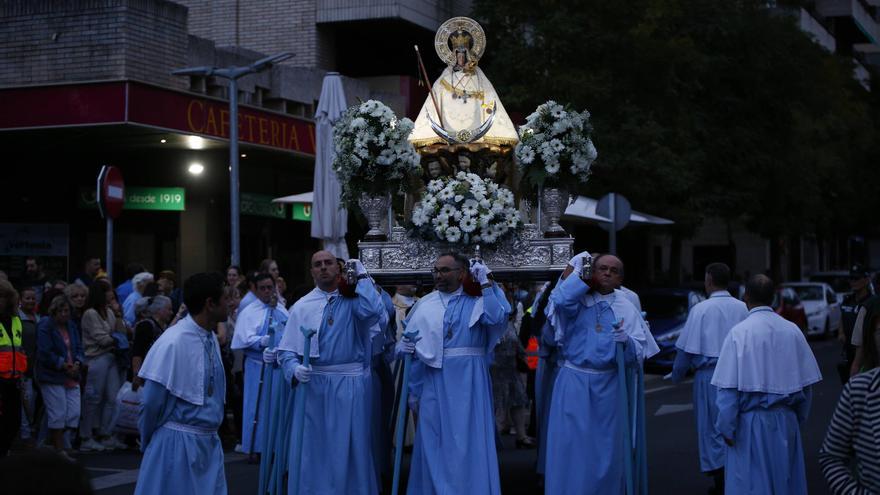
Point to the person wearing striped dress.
(852, 438)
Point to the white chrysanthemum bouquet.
(555, 148)
(466, 210)
(373, 155)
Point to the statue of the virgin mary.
(463, 108)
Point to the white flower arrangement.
(555, 146)
(465, 209)
(373, 155)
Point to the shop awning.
(584, 209)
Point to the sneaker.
(113, 443)
(64, 455)
(238, 448)
(91, 445)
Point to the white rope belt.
(463, 351)
(344, 369)
(196, 430)
(584, 369)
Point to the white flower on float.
(453, 234)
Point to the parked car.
(821, 304)
(788, 305)
(837, 279)
(667, 311)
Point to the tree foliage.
(701, 107)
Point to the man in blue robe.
(450, 389)
(763, 375)
(586, 420)
(182, 404)
(699, 345)
(336, 455)
(252, 329)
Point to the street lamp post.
(232, 74)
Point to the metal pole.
(110, 248)
(612, 232)
(233, 173)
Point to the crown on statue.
(461, 39)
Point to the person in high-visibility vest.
(13, 364)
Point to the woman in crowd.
(104, 377)
(28, 305)
(233, 276)
(60, 358)
(77, 295)
(155, 313)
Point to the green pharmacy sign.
(260, 205)
(302, 211)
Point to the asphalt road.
(672, 446)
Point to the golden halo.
(472, 27)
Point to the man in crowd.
(183, 398)
(34, 277)
(166, 283)
(91, 267)
(860, 283)
(251, 295)
(139, 283)
(336, 455)
(450, 388)
(591, 319)
(763, 376)
(252, 334)
(699, 345)
(125, 288)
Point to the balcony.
(424, 13)
(854, 10)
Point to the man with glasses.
(450, 389)
(590, 319)
(252, 335)
(336, 456)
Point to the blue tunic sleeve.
(727, 400)
(802, 408)
(289, 362)
(153, 402)
(369, 305)
(681, 365)
(494, 312)
(568, 295)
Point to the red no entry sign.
(111, 192)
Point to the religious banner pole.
(402, 412)
(299, 412)
(252, 457)
(624, 409)
(430, 86)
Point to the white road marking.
(673, 408)
(108, 470)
